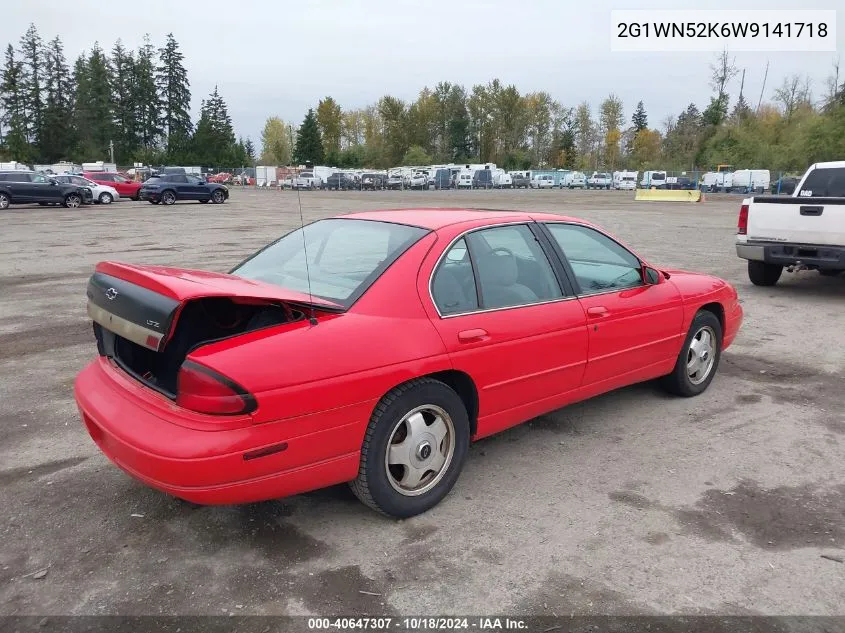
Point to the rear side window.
(453, 287)
(103, 177)
(824, 183)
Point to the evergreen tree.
(93, 106)
(32, 79)
(309, 144)
(249, 149)
(57, 137)
(214, 140)
(122, 67)
(148, 126)
(14, 110)
(640, 119)
(175, 95)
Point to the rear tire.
(414, 448)
(72, 201)
(4, 201)
(763, 274)
(699, 357)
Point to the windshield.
(344, 257)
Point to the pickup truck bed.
(795, 232)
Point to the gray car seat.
(499, 273)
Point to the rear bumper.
(156, 447)
(786, 254)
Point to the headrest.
(498, 269)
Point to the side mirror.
(54, 182)
(650, 276)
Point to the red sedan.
(372, 348)
(125, 187)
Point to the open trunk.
(150, 324)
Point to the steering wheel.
(502, 249)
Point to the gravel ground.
(631, 503)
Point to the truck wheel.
(414, 448)
(763, 274)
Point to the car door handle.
(597, 311)
(816, 211)
(472, 336)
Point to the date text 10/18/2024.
(426, 623)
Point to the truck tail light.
(742, 221)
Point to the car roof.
(437, 218)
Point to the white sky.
(278, 58)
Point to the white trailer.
(715, 181)
(99, 166)
(14, 166)
(625, 180)
(751, 181)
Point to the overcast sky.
(278, 58)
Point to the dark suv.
(27, 187)
(520, 181)
(340, 181)
(168, 188)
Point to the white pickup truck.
(804, 231)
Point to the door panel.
(507, 324)
(634, 328)
(633, 333)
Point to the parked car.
(543, 181)
(785, 185)
(431, 349)
(126, 187)
(416, 180)
(395, 181)
(574, 180)
(373, 182)
(678, 182)
(307, 180)
(804, 231)
(27, 187)
(442, 179)
(520, 181)
(102, 194)
(482, 179)
(340, 182)
(222, 178)
(169, 188)
(600, 180)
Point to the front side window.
(344, 257)
(599, 263)
(104, 177)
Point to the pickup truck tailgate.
(797, 220)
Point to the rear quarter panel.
(347, 359)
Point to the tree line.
(136, 102)
(496, 123)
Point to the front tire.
(763, 274)
(105, 198)
(414, 449)
(699, 357)
(168, 198)
(218, 197)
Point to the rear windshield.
(824, 183)
(344, 257)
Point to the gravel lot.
(631, 503)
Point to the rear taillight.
(201, 389)
(742, 221)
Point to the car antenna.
(313, 318)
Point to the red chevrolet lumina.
(372, 348)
